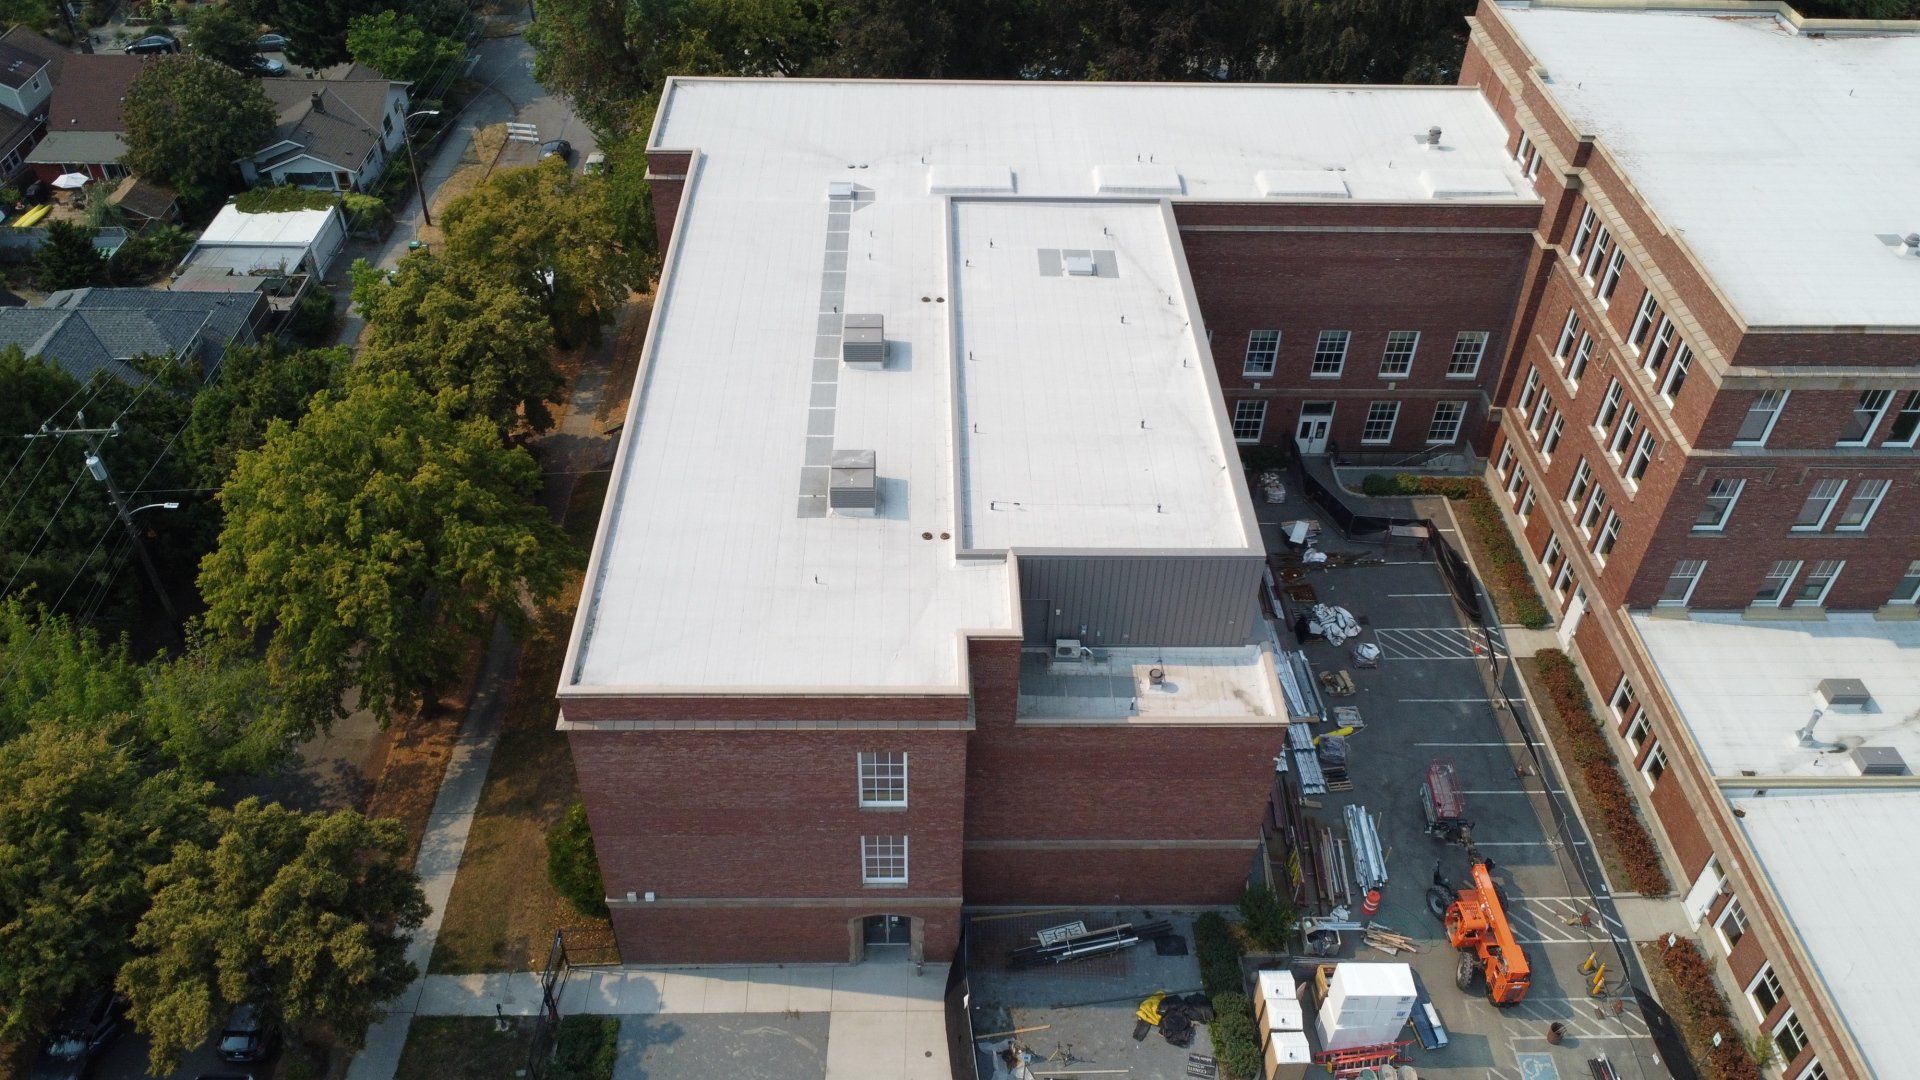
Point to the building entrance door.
(888, 930)
(1316, 420)
(1570, 622)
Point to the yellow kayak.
(33, 216)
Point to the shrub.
(572, 866)
(312, 320)
(1267, 919)
(1701, 1012)
(1236, 1038)
(585, 1048)
(147, 255)
(1580, 737)
(1258, 458)
(1219, 956)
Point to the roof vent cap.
(1877, 761)
(852, 486)
(1843, 695)
(1910, 244)
(1078, 265)
(1433, 137)
(863, 340)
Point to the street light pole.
(97, 468)
(419, 182)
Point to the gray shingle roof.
(89, 331)
(336, 122)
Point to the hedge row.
(1236, 1038)
(1580, 736)
(1701, 1011)
(587, 1048)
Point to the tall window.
(1582, 483)
(1818, 583)
(1662, 342)
(1569, 332)
(1677, 372)
(1761, 416)
(1819, 504)
(1732, 923)
(1505, 463)
(1623, 699)
(1642, 457)
(1907, 589)
(1718, 507)
(1773, 587)
(1526, 505)
(883, 860)
(1609, 536)
(1551, 556)
(1814, 1071)
(1861, 505)
(1906, 422)
(1581, 354)
(1538, 421)
(1681, 583)
(1249, 418)
(1380, 420)
(1589, 220)
(1330, 353)
(1609, 406)
(1765, 991)
(1445, 427)
(1866, 417)
(1552, 440)
(1263, 349)
(1529, 390)
(1596, 258)
(1623, 435)
(1643, 321)
(1610, 278)
(883, 779)
(1789, 1037)
(1468, 347)
(1596, 506)
(1397, 360)
(1655, 766)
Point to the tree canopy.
(188, 119)
(397, 45)
(480, 345)
(372, 539)
(223, 33)
(311, 912)
(256, 384)
(68, 259)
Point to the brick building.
(891, 646)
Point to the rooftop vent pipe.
(1910, 244)
(1433, 138)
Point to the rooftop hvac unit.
(1878, 761)
(1079, 265)
(1843, 695)
(863, 340)
(851, 484)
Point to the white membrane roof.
(1086, 415)
(1787, 163)
(1746, 687)
(707, 575)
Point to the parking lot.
(1431, 698)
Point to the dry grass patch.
(475, 163)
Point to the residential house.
(89, 331)
(86, 132)
(276, 255)
(334, 135)
(29, 65)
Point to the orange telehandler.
(1476, 922)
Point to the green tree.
(526, 224)
(372, 540)
(81, 823)
(573, 868)
(188, 120)
(396, 45)
(479, 345)
(68, 259)
(257, 384)
(316, 30)
(223, 34)
(58, 672)
(216, 716)
(311, 911)
(630, 197)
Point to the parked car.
(78, 1035)
(270, 42)
(268, 66)
(559, 148)
(247, 1036)
(154, 44)
(596, 164)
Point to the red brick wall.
(1132, 877)
(745, 708)
(763, 934)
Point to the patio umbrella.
(72, 180)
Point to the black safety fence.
(959, 1005)
(1352, 524)
(1459, 576)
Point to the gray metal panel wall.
(1172, 600)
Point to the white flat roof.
(1787, 163)
(1086, 417)
(710, 571)
(1745, 687)
(285, 227)
(1846, 865)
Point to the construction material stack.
(1276, 1007)
(1365, 1005)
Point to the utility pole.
(97, 467)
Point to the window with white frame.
(1765, 991)
(1582, 353)
(1813, 1071)
(1552, 440)
(1638, 731)
(1732, 923)
(1820, 499)
(1515, 483)
(1378, 427)
(1538, 421)
(1609, 406)
(1596, 509)
(1623, 434)
(1642, 457)
(1468, 347)
(1596, 258)
(883, 779)
(1906, 422)
(1718, 507)
(1523, 148)
(1561, 579)
(1858, 513)
(1773, 587)
(1589, 220)
(1551, 555)
(1867, 413)
(1609, 536)
(1623, 700)
(1818, 583)
(1397, 360)
(1907, 589)
(1610, 279)
(1643, 321)
(883, 860)
(1762, 414)
(1582, 483)
(1263, 351)
(1662, 342)
(1504, 465)
(1249, 419)
(1569, 333)
(1655, 765)
(1526, 505)
(1445, 427)
(1789, 1037)
(1529, 390)
(1677, 372)
(1330, 353)
(1681, 583)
